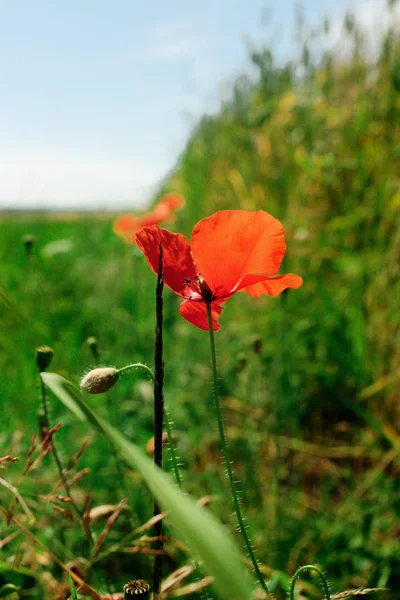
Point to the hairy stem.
(235, 497)
(136, 366)
(172, 450)
(149, 372)
(310, 568)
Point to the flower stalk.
(158, 418)
(141, 366)
(235, 497)
(44, 356)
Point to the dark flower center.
(197, 289)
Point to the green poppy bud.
(99, 380)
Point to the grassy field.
(309, 381)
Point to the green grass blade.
(205, 535)
(8, 589)
(74, 595)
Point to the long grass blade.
(205, 535)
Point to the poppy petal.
(249, 280)
(196, 313)
(157, 215)
(234, 243)
(274, 285)
(173, 201)
(125, 224)
(165, 209)
(177, 259)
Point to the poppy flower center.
(197, 289)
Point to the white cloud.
(170, 40)
(173, 28)
(373, 17)
(51, 180)
(169, 49)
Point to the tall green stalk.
(235, 497)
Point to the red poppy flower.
(231, 251)
(164, 211)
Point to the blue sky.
(97, 98)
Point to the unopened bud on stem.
(92, 342)
(94, 348)
(99, 380)
(28, 240)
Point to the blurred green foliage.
(309, 380)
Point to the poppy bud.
(99, 380)
(28, 241)
(92, 342)
(44, 356)
(241, 362)
(136, 587)
(94, 347)
(257, 345)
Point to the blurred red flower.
(231, 251)
(164, 211)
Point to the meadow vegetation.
(309, 381)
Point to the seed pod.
(99, 380)
(136, 587)
(93, 344)
(241, 362)
(28, 241)
(257, 344)
(44, 356)
(91, 341)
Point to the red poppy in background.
(164, 211)
(231, 251)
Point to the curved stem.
(136, 366)
(235, 497)
(310, 568)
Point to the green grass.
(314, 446)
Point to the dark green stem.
(94, 350)
(235, 497)
(310, 568)
(158, 419)
(44, 426)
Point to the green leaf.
(74, 595)
(200, 529)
